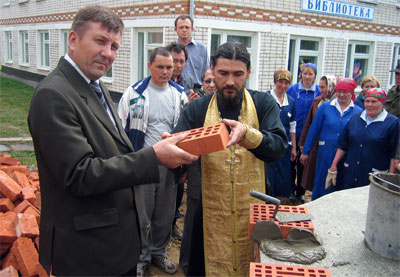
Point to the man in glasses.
(208, 82)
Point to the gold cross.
(232, 161)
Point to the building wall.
(272, 23)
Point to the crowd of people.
(112, 180)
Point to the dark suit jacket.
(88, 222)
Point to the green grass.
(25, 157)
(15, 98)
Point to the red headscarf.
(378, 93)
(347, 84)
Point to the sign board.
(333, 7)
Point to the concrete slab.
(4, 148)
(339, 220)
(20, 147)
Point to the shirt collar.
(68, 58)
(381, 117)
(285, 99)
(301, 86)
(191, 41)
(335, 103)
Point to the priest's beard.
(229, 101)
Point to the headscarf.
(331, 85)
(378, 93)
(347, 84)
(282, 74)
(312, 65)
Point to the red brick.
(7, 227)
(9, 271)
(27, 226)
(21, 207)
(205, 140)
(32, 211)
(6, 205)
(10, 260)
(26, 255)
(9, 169)
(8, 160)
(28, 194)
(274, 270)
(34, 176)
(38, 202)
(21, 179)
(9, 187)
(260, 212)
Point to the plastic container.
(382, 231)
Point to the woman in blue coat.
(369, 140)
(329, 121)
(279, 172)
(303, 94)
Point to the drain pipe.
(191, 9)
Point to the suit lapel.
(92, 101)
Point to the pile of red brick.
(19, 219)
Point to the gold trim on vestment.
(227, 178)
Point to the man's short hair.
(232, 51)
(96, 13)
(162, 51)
(177, 48)
(183, 17)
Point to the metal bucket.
(382, 231)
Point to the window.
(6, 2)
(359, 60)
(395, 62)
(24, 48)
(8, 48)
(44, 50)
(63, 42)
(107, 78)
(22, 1)
(147, 41)
(219, 37)
(303, 50)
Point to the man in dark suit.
(86, 163)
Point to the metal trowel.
(283, 217)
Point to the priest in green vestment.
(220, 245)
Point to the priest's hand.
(238, 131)
(170, 155)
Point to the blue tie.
(95, 86)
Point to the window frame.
(63, 49)
(253, 50)
(395, 60)
(41, 50)
(350, 57)
(293, 60)
(8, 46)
(141, 54)
(6, 3)
(24, 59)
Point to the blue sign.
(338, 8)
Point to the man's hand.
(170, 155)
(238, 130)
(193, 96)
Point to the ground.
(174, 245)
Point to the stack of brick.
(19, 219)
